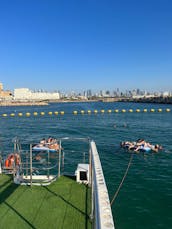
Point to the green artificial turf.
(63, 204)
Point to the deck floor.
(64, 204)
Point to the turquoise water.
(145, 199)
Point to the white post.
(103, 218)
(48, 171)
(30, 164)
(59, 164)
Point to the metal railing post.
(59, 164)
(30, 164)
(48, 171)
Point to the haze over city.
(79, 45)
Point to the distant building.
(1, 87)
(166, 94)
(5, 95)
(103, 93)
(134, 92)
(26, 94)
(89, 93)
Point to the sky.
(75, 45)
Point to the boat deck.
(63, 204)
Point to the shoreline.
(106, 100)
(31, 103)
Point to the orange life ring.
(6, 163)
(11, 159)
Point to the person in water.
(128, 145)
(155, 148)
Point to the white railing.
(101, 209)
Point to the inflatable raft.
(144, 149)
(43, 148)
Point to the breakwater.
(23, 103)
(160, 100)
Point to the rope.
(122, 181)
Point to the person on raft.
(141, 145)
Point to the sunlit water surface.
(145, 199)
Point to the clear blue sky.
(86, 44)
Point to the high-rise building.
(4, 94)
(89, 93)
(1, 87)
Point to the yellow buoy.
(20, 114)
(167, 110)
(137, 110)
(89, 112)
(123, 110)
(4, 115)
(95, 111)
(102, 111)
(56, 112)
(50, 112)
(62, 112)
(109, 111)
(152, 110)
(27, 114)
(130, 110)
(42, 113)
(35, 113)
(116, 111)
(75, 112)
(12, 114)
(160, 110)
(82, 111)
(145, 110)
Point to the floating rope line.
(82, 112)
(122, 181)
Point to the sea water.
(145, 198)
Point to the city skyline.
(77, 45)
(89, 92)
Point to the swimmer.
(125, 125)
(38, 157)
(156, 148)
